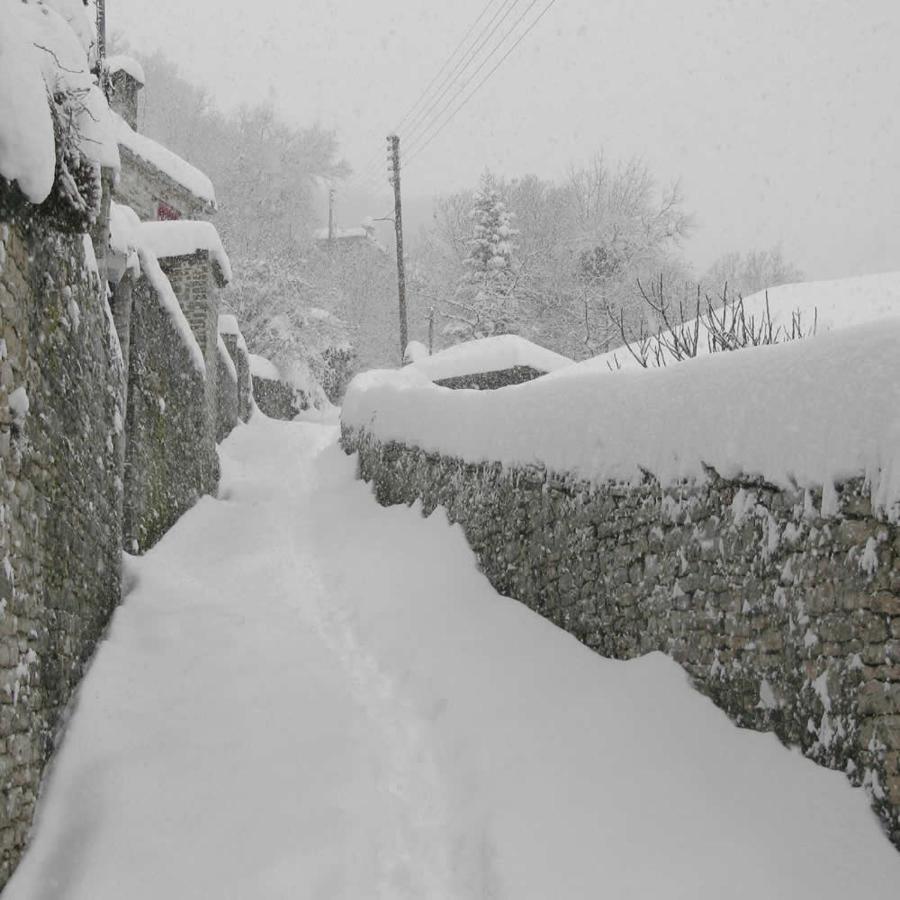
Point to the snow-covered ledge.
(738, 512)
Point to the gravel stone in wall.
(61, 446)
(788, 620)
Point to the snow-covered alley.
(307, 695)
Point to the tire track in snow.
(414, 858)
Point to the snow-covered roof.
(127, 64)
(831, 305)
(260, 367)
(809, 413)
(43, 47)
(169, 163)
(489, 354)
(184, 237)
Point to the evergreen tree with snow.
(485, 302)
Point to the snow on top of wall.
(260, 367)
(156, 276)
(184, 237)
(831, 305)
(169, 163)
(489, 354)
(43, 49)
(27, 149)
(127, 64)
(123, 227)
(226, 357)
(810, 413)
(416, 351)
(228, 324)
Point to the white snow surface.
(184, 237)
(178, 169)
(416, 351)
(829, 305)
(260, 367)
(150, 268)
(119, 62)
(489, 354)
(27, 148)
(304, 694)
(811, 412)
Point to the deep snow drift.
(305, 695)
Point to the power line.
(418, 150)
(372, 165)
(460, 70)
(440, 71)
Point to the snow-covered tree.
(485, 300)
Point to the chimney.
(123, 90)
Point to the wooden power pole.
(394, 160)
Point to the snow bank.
(416, 351)
(165, 160)
(489, 354)
(184, 237)
(812, 412)
(127, 64)
(150, 268)
(830, 305)
(260, 367)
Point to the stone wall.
(227, 394)
(170, 458)
(789, 620)
(276, 399)
(237, 350)
(61, 445)
(490, 381)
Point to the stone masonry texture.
(170, 458)
(491, 381)
(237, 349)
(227, 400)
(788, 620)
(60, 493)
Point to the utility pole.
(101, 47)
(331, 215)
(394, 161)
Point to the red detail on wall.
(165, 213)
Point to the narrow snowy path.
(307, 696)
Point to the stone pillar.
(238, 351)
(192, 281)
(123, 96)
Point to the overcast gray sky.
(780, 118)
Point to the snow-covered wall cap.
(127, 64)
(43, 48)
(184, 237)
(260, 367)
(228, 324)
(489, 354)
(829, 305)
(169, 163)
(809, 413)
(157, 278)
